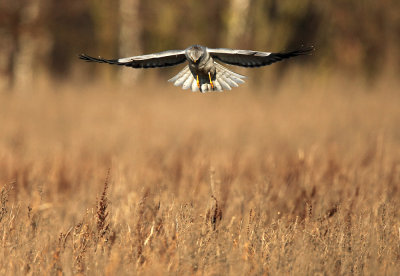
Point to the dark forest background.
(40, 39)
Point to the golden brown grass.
(301, 181)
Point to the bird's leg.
(198, 83)
(209, 76)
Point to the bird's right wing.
(249, 58)
(162, 59)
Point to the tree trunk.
(7, 46)
(129, 36)
(237, 21)
(24, 59)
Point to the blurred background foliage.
(40, 39)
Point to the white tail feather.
(182, 79)
(180, 74)
(188, 82)
(224, 80)
(194, 86)
(217, 85)
(224, 84)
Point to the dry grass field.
(300, 179)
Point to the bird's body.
(203, 72)
(202, 65)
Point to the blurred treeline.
(42, 38)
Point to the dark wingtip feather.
(89, 58)
(83, 57)
(99, 59)
(304, 51)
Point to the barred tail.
(185, 79)
(224, 79)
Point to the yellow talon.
(212, 85)
(198, 83)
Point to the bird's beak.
(195, 60)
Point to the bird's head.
(195, 53)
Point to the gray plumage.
(203, 72)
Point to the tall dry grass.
(302, 180)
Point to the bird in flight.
(203, 73)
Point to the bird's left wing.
(162, 59)
(248, 58)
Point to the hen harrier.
(203, 72)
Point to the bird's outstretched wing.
(248, 58)
(162, 59)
